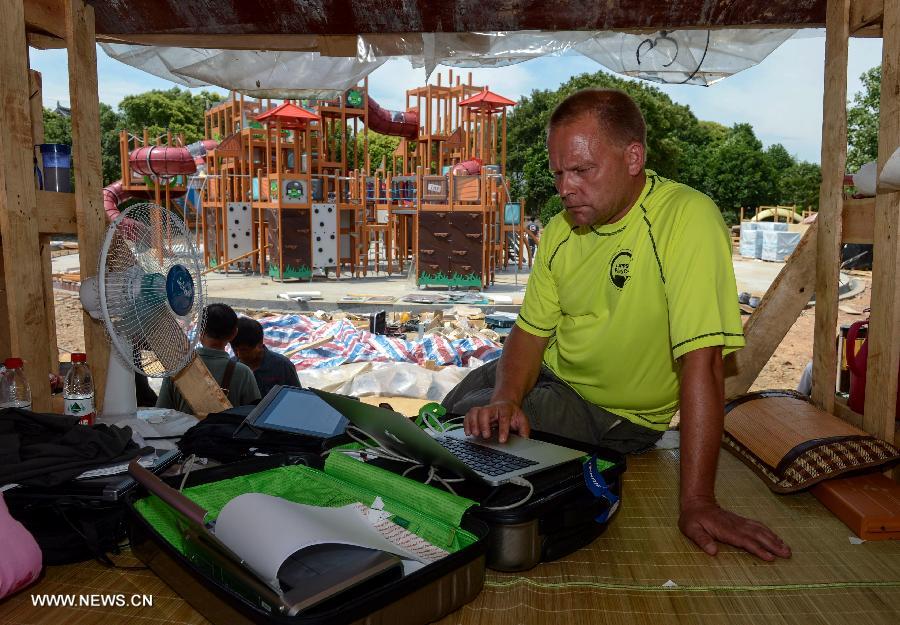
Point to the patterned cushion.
(792, 445)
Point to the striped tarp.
(334, 343)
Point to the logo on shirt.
(618, 268)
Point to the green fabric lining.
(301, 484)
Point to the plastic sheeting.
(312, 343)
(696, 57)
(331, 64)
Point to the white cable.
(190, 465)
(519, 481)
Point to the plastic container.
(78, 391)
(57, 159)
(15, 391)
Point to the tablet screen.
(302, 412)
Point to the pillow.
(792, 445)
(21, 561)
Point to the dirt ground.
(787, 363)
(782, 371)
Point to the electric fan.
(148, 293)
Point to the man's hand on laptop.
(502, 416)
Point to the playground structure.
(289, 189)
(158, 169)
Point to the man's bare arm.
(702, 422)
(517, 373)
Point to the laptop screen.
(298, 411)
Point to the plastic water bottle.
(78, 391)
(14, 389)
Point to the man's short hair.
(617, 114)
(249, 334)
(221, 320)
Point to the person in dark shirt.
(268, 367)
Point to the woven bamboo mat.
(617, 579)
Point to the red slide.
(394, 123)
(148, 161)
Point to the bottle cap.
(13, 363)
(79, 357)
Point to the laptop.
(469, 457)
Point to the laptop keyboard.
(484, 459)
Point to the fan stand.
(120, 398)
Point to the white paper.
(264, 531)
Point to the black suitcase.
(421, 597)
(562, 515)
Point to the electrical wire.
(518, 481)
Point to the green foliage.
(799, 185)
(551, 207)
(728, 164)
(862, 121)
(174, 110)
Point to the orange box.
(867, 504)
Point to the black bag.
(214, 437)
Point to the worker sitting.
(270, 368)
(236, 379)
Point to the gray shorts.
(553, 406)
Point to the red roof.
(487, 100)
(290, 115)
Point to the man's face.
(595, 178)
(247, 353)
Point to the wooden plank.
(56, 213)
(200, 389)
(865, 14)
(828, 244)
(36, 113)
(5, 347)
(45, 42)
(858, 222)
(45, 16)
(884, 327)
(18, 224)
(777, 311)
(82, 55)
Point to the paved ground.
(381, 291)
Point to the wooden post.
(25, 305)
(36, 111)
(834, 159)
(884, 327)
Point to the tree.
(799, 185)
(58, 129)
(174, 110)
(739, 173)
(862, 121)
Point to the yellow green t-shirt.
(622, 302)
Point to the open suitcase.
(420, 597)
(562, 515)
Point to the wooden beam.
(865, 14)
(834, 159)
(884, 327)
(858, 222)
(56, 213)
(45, 42)
(36, 113)
(45, 16)
(777, 311)
(82, 55)
(18, 223)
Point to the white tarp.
(698, 57)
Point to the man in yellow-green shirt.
(629, 310)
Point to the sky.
(781, 97)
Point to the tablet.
(296, 411)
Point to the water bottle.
(78, 391)
(14, 389)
